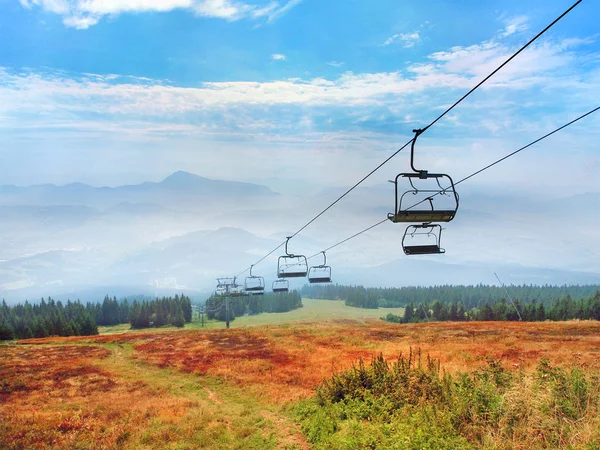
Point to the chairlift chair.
(254, 284)
(290, 265)
(422, 239)
(424, 202)
(320, 273)
(237, 290)
(223, 285)
(281, 285)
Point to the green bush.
(410, 404)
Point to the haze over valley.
(180, 233)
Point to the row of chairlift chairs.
(288, 266)
(424, 205)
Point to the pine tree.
(179, 319)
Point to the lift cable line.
(508, 295)
(478, 85)
(467, 177)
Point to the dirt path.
(226, 406)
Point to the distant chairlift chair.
(254, 285)
(424, 205)
(290, 265)
(320, 273)
(237, 290)
(422, 240)
(224, 284)
(281, 285)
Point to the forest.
(564, 308)
(472, 296)
(52, 318)
(48, 318)
(254, 304)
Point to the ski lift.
(426, 203)
(290, 265)
(422, 240)
(281, 285)
(320, 273)
(254, 284)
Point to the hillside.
(241, 387)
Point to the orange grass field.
(232, 388)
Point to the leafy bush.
(411, 403)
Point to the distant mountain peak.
(182, 180)
(182, 177)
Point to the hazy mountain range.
(179, 234)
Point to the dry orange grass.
(286, 362)
(76, 392)
(56, 397)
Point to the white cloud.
(514, 25)
(277, 13)
(278, 56)
(80, 23)
(541, 77)
(222, 9)
(261, 12)
(82, 14)
(335, 64)
(407, 40)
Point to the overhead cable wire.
(478, 85)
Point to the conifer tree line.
(52, 318)
(176, 311)
(565, 308)
(253, 304)
(472, 296)
(48, 318)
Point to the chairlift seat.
(423, 250)
(319, 279)
(280, 289)
(284, 274)
(415, 215)
(255, 288)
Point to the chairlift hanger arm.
(422, 173)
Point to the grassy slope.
(100, 396)
(161, 388)
(313, 310)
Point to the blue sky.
(121, 91)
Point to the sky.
(299, 95)
(306, 97)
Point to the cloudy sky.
(306, 97)
(293, 94)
